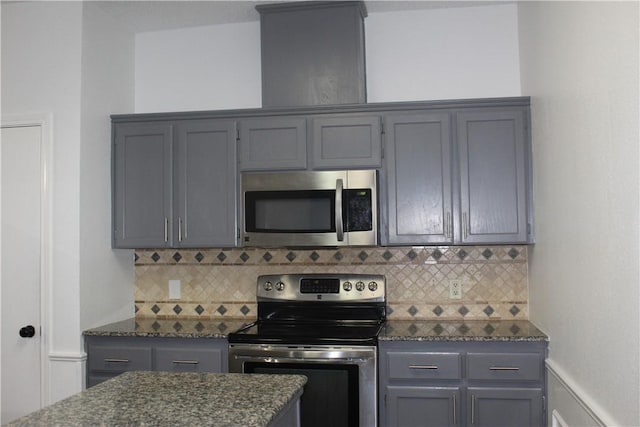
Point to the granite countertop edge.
(393, 330)
(181, 399)
(462, 331)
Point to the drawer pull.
(110, 360)
(503, 368)
(423, 366)
(186, 362)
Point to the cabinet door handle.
(447, 226)
(503, 368)
(112, 360)
(185, 362)
(166, 229)
(180, 229)
(473, 409)
(454, 409)
(423, 366)
(465, 226)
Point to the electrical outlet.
(455, 289)
(174, 289)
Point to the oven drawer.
(119, 359)
(504, 366)
(406, 365)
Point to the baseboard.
(568, 404)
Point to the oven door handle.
(338, 201)
(276, 359)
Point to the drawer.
(504, 366)
(188, 360)
(119, 359)
(405, 365)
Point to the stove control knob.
(267, 286)
(347, 286)
(279, 286)
(373, 286)
(360, 286)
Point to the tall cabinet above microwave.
(327, 208)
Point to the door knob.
(27, 331)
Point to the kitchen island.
(179, 399)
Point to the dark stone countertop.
(176, 328)
(454, 330)
(393, 330)
(175, 399)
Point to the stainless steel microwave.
(313, 208)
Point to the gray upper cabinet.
(466, 183)
(493, 203)
(346, 142)
(205, 184)
(175, 184)
(418, 171)
(313, 53)
(142, 184)
(273, 143)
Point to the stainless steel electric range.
(323, 326)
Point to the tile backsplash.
(220, 283)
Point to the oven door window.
(330, 396)
(309, 211)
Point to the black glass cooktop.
(308, 333)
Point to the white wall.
(42, 73)
(203, 68)
(450, 53)
(106, 275)
(580, 65)
(416, 55)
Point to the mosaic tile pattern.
(220, 283)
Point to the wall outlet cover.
(455, 289)
(174, 289)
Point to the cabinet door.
(346, 142)
(418, 174)
(492, 176)
(496, 407)
(205, 184)
(422, 406)
(142, 185)
(277, 143)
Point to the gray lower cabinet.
(111, 356)
(174, 184)
(495, 407)
(422, 406)
(462, 383)
(458, 177)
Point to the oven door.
(341, 387)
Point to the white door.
(20, 265)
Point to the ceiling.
(152, 15)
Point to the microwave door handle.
(339, 223)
